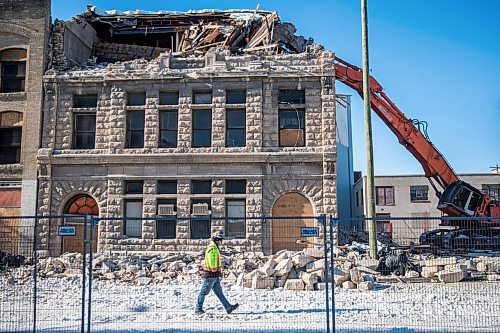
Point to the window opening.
(84, 131)
(168, 129)
(135, 129)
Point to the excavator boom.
(458, 198)
(432, 161)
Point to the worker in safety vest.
(212, 267)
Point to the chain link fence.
(280, 270)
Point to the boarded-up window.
(133, 209)
(385, 195)
(236, 228)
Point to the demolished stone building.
(199, 114)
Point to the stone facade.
(270, 170)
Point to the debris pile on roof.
(195, 32)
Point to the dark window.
(169, 98)
(385, 195)
(235, 228)
(292, 97)
(419, 193)
(133, 186)
(136, 98)
(135, 129)
(236, 186)
(10, 145)
(12, 70)
(202, 128)
(133, 228)
(357, 199)
(236, 125)
(292, 133)
(236, 97)
(202, 97)
(200, 226)
(168, 129)
(167, 187)
(85, 101)
(201, 186)
(84, 131)
(10, 137)
(167, 229)
(361, 197)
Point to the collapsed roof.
(191, 33)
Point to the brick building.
(24, 31)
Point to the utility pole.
(372, 228)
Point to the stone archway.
(286, 231)
(79, 205)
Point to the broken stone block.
(368, 285)
(143, 281)
(322, 285)
(315, 265)
(411, 274)
(301, 260)
(267, 270)
(459, 266)
(356, 276)
(309, 287)
(451, 276)
(430, 271)
(309, 278)
(314, 252)
(348, 285)
(294, 284)
(440, 261)
(283, 267)
(340, 277)
(259, 282)
(368, 263)
(242, 282)
(482, 266)
(493, 277)
(321, 275)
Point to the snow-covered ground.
(169, 307)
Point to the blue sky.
(439, 61)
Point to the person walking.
(212, 267)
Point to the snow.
(169, 306)
(237, 14)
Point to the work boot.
(232, 308)
(199, 312)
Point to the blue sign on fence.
(66, 231)
(309, 232)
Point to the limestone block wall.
(269, 170)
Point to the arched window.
(13, 70)
(11, 125)
(81, 205)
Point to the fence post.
(93, 220)
(35, 272)
(325, 249)
(84, 271)
(332, 243)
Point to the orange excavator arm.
(433, 162)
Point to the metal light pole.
(372, 228)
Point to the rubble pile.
(293, 270)
(196, 32)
